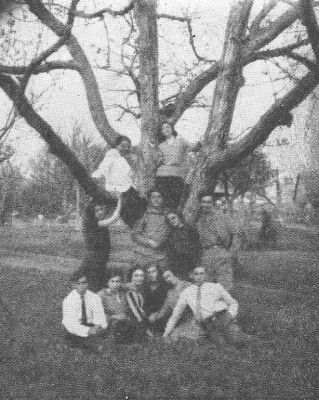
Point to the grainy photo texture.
(159, 185)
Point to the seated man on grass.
(150, 233)
(213, 308)
(83, 314)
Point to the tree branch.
(283, 51)
(106, 10)
(57, 147)
(44, 67)
(255, 25)
(309, 19)
(95, 102)
(279, 114)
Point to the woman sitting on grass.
(135, 301)
(182, 245)
(116, 308)
(155, 291)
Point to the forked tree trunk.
(226, 91)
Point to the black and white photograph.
(159, 199)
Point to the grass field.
(278, 301)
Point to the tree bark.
(146, 20)
(226, 91)
(94, 98)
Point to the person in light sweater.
(212, 306)
(170, 175)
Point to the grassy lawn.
(35, 364)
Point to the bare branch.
(71, 14)
(310, 21)
(266, 35)
(191, 42)
(44, 67)
(57, 147)
(173, 17)
(255, 25)
(279, 114)
(285, 51)
(106, 10)
(95, 102)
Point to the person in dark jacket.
(97, 240)
(182, 245)
(155, 290)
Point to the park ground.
(278, 298)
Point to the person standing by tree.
(216, 237)
(170, 175)
(182, 245)
(151, 232)
(97, 240)
(119, 178)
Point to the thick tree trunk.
(226, 91)
(146, 20)
(230, 80)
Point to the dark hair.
(112, 273)
(161, 137)
(78, 274)
(158, 267)
(176, 212)
(132, 270)
(154, 190)
(120, 139)
(205, 193)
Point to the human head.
(152, 273)
(114, 280)
(175, 218)
(101, 206)
(198, 275)
(169, 277)
(155, 198)
(136, 276)
(123, 145)
(166, 131)
(79, 281)
(206, 201)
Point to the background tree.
(250, 36)
(50, 188)
(252, 174)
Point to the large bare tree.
(249, 37)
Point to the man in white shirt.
(212, 306)
(83, 314)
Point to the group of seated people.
(151, 301)
(168, 253)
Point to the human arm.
(99, 317)
(166, 308)
(177, 313)
(115, 216)
(230, 301)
